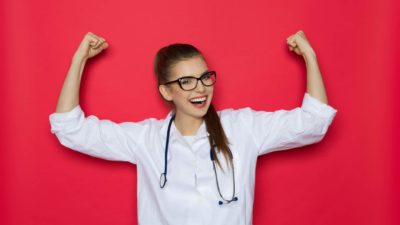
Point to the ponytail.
(217, 136)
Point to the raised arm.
(88, 134)
(90, 46)
(315, 85)
(287, 129)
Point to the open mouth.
(198, 101)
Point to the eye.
(206, 76)
(185, 80)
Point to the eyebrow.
(206, 71)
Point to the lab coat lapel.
(164, 128)
(174, 132)
(163, 132)
(202, 131)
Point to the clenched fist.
(299, 44)
(90, 46)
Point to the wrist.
(78, 59)
(310, 56)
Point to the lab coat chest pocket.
(207, 182)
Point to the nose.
(200, 87)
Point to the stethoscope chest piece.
(163, 180)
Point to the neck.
(187, 125)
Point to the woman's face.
(195, 67)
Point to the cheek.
(211, 90)
(181, 97)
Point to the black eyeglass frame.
(197, 80)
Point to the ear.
(165, 92)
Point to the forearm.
(69, 95)
(315, 84)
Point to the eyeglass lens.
(189, 83)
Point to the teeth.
(198, 99)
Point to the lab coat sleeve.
(99, 138)
(286, 129)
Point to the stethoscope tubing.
(163, 177)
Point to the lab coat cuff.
(61, 121)
(314, 105)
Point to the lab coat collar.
(175, 133)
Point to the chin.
(201, 114)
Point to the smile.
(198, 100)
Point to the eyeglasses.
(189, 83)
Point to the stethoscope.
(163, 177)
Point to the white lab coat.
(190, 195)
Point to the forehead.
(194, 66)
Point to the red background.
(348, 178)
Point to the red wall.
(348, 178)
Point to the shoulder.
(239, 115)
(150, 124)
(232, 113)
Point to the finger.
(93, 35)
(93, 41)
(291, 41)
(302, 35)
(99, 43)
(297, 50)
(104, 45)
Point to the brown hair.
(165, 58)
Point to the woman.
(196, 166)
